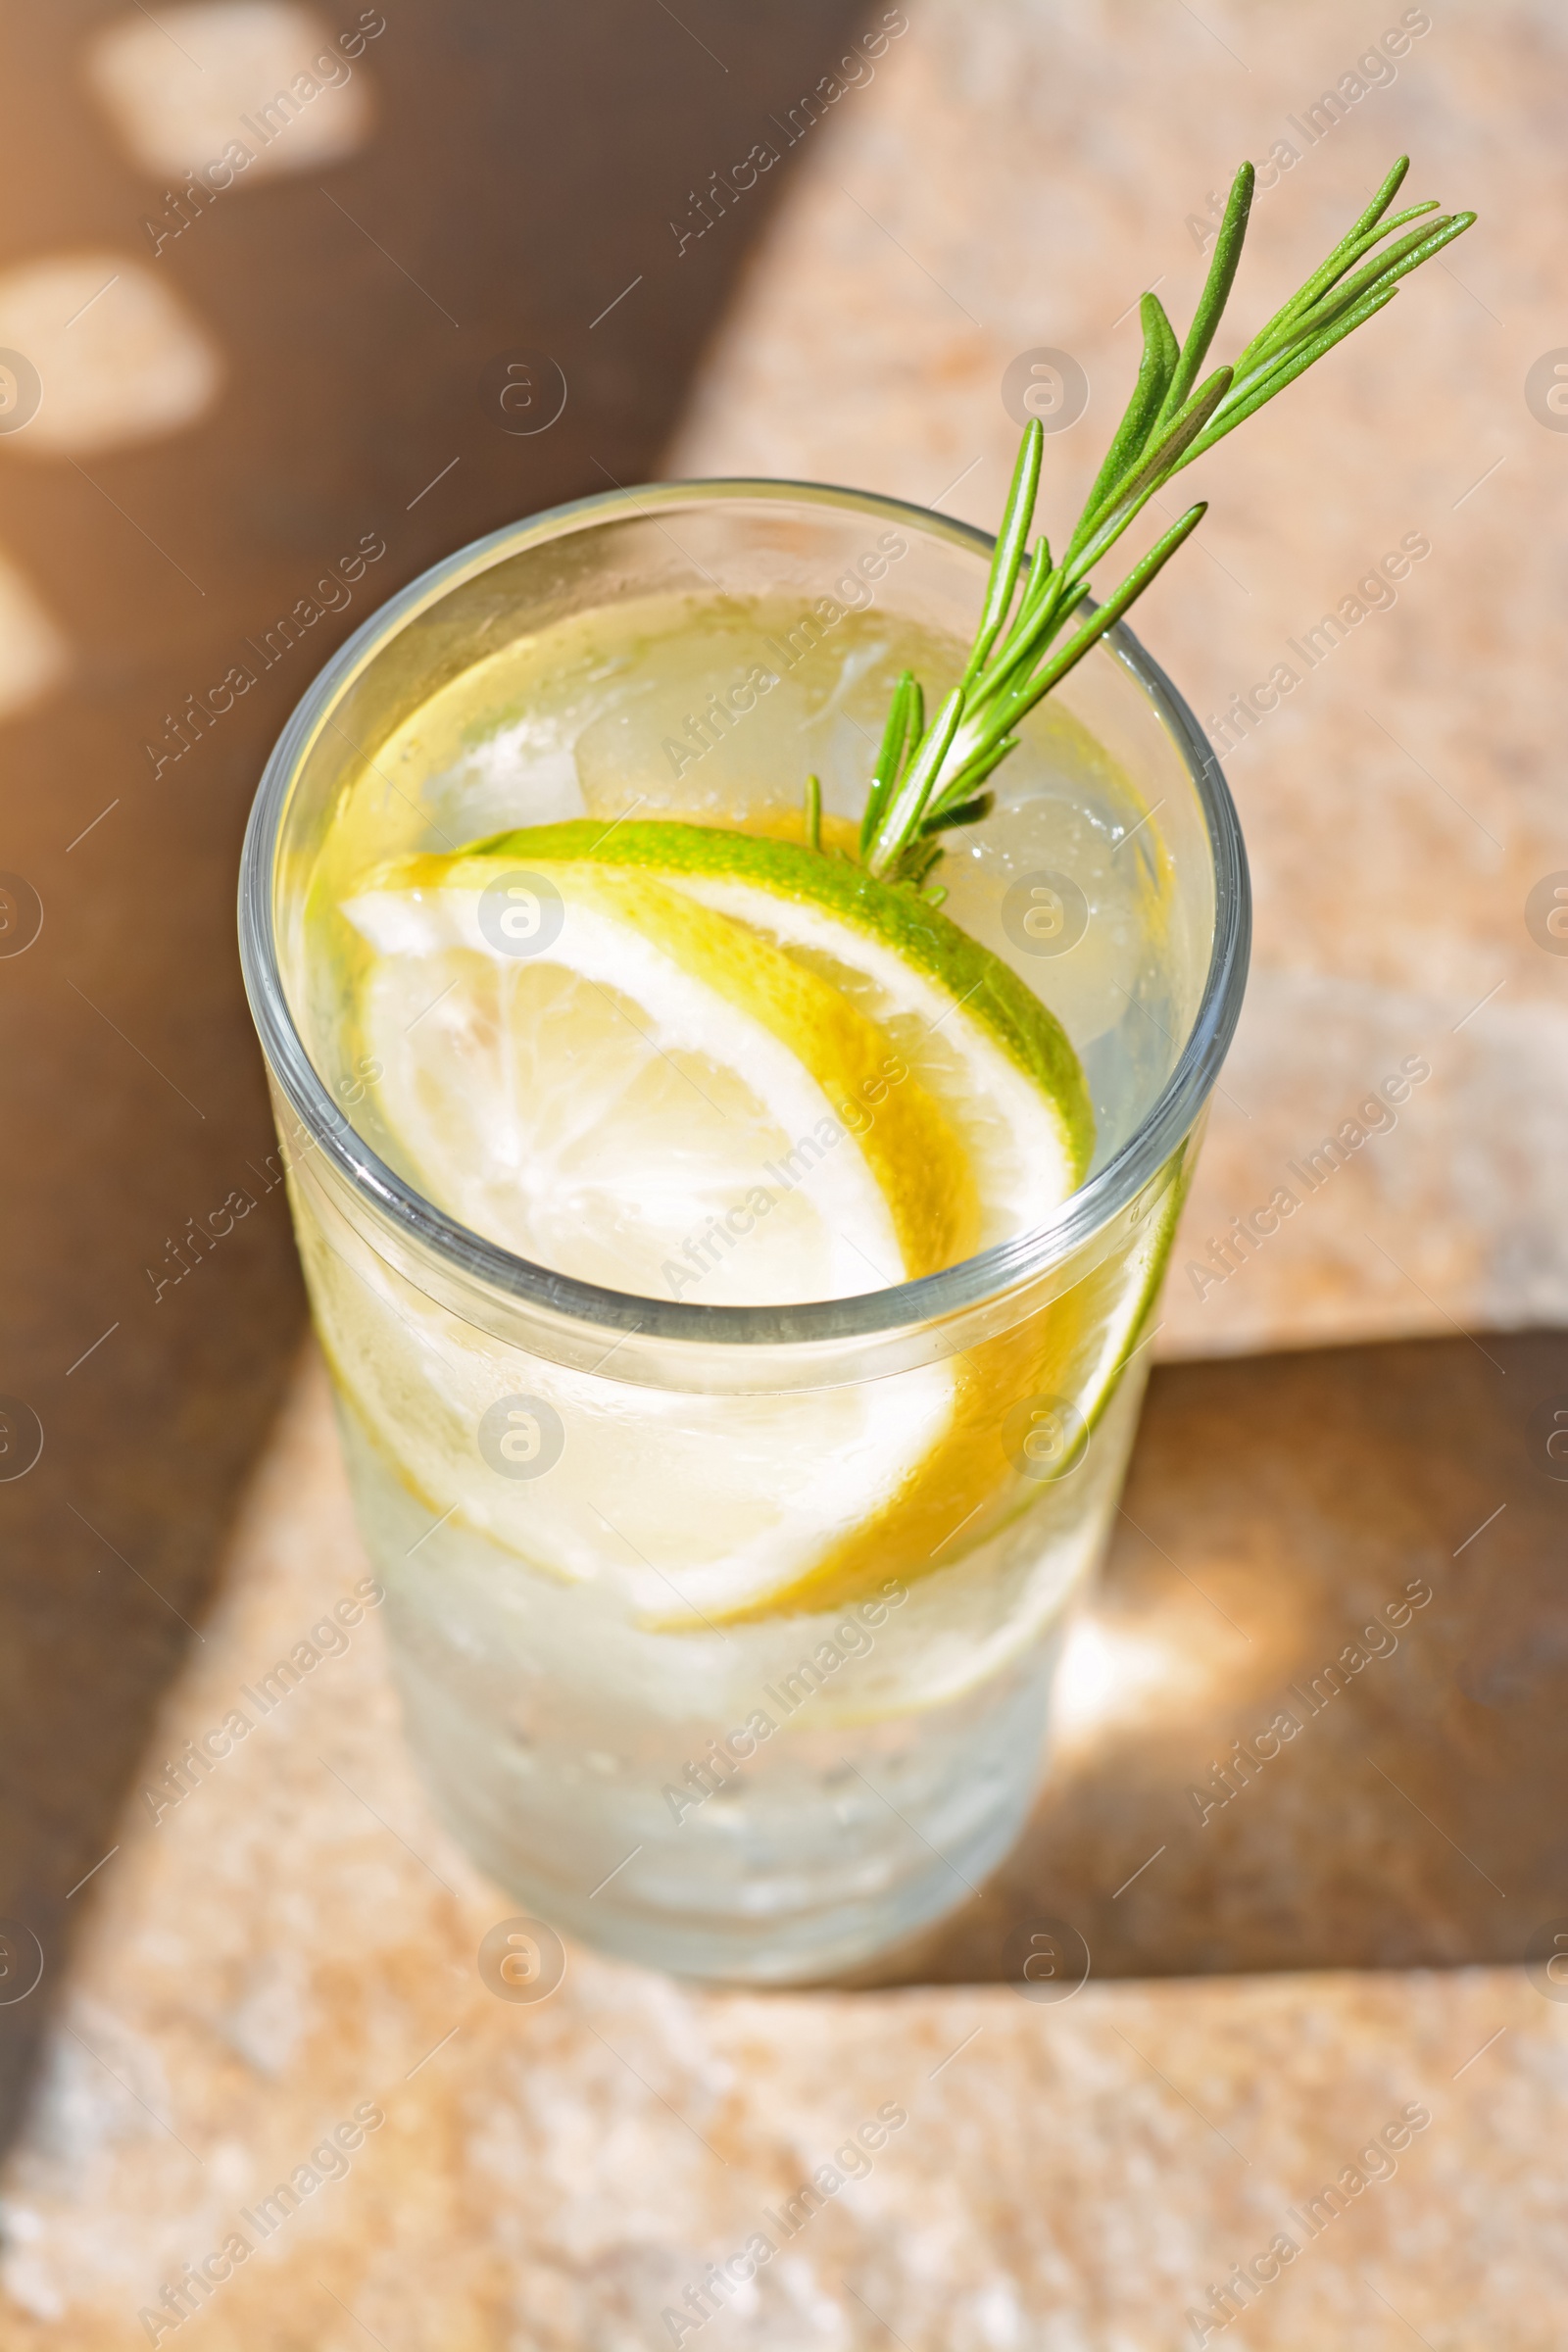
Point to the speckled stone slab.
(281, 2092)
(275, 1986)
(1007, 181)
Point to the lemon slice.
(683, 1061)
(645, 1074)
(652, 1096)
(979, 1041)
(1025, 1407)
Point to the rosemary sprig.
(929, 778)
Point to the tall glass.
(554, 1479)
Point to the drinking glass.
(558, 1483)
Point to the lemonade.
(740, 1048)
(735, 1273)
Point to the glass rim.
(900, 1307)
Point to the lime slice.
(993, 1056)
(637, 1091)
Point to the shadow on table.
(1273, 1754)
(517, 193)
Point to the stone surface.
(297, 1938)
(1009, 180)
(294, 1944)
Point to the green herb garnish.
(929, 778)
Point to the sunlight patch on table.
(32, 652)
(233, 91)
(116, 355)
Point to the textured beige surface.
(297, 1938)
(1010, 179)
(296, 1941)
